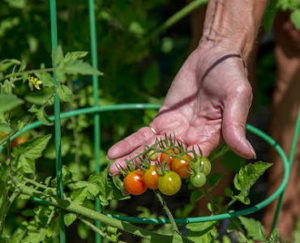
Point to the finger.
(235, 114)
(130, 143)
(121, 162)
(204, 149)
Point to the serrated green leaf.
(295, 18)
(92, 189)
(69, 218)
(177, 238)
(226, 239)
(33, 148)
(64, 93)
(4, 128)
(246, 177)
(35, 236)
(25, 165)
(74, 55)
(46, 78)
(274, 237)
(57, 56)
(105, 188)
(7, 63)
(80, 67)
(254, 228)
(39, 97)
(41, 115)
(8, 102)
(203, 232)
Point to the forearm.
(233, 24)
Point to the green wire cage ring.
(252, 129)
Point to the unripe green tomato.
(169, 184)
(205, 165)
(152, 155)
(198, 180)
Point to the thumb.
(236, 109)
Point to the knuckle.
(145, 132)
(244, 90)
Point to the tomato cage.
(98, 110)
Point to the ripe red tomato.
(150, 178)
(167, 158)
(169, 184)
(182, 166)
(134, 184)
(18, 140)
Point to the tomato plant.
(169, 183)
(182, 166)
(150, 178)
(134, 183)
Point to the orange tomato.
(134, 184)
(168, 158)
(182, 166)
(18, 140)
(150, 178)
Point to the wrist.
(233, 24)
(240, 46)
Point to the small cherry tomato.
(168, 158)
(205, 165)
(182, 166)
(150, 178)
(152, 155)
(198, 180)
(169, 184)
(134, 184)
(18, 140)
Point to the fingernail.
(252, 150)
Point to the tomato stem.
(167, 210)
(70, 206)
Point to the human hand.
(208, 101)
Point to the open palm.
(209, 100)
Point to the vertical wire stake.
(62, 234)
(97, 144)
(291, 158)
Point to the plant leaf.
(8, 102)
(80, 67)
(41, 115)
(46, 78)
(64, 93)
(69, 218)
(246, 177)
(254, 228)
(57, 56)
(74, 55)
(4, 128)
(32, 149)
(295, 17)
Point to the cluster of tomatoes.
(164, 168)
